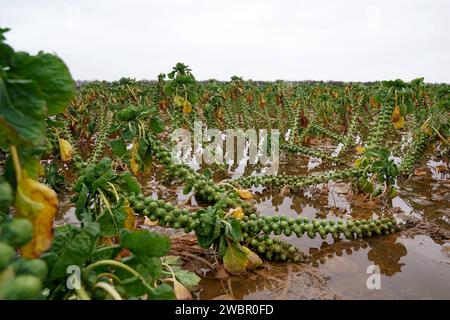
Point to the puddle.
(411, 266)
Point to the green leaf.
(233, 231)
(187, 188)
(187, 278)
(31, 88)
(51, 75)
(22, 111)
(111, 222)
(222, 246)
(131, 183)
(208, 228)
(156, 124)
(118, 147)
(162, 292)
(52, 177)
(144, 243)
(71, 246)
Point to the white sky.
(346, 40)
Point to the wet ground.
(414, 264)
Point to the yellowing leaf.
(426, 128)
(178, 100)
(149, 222)
(65, 149)
(220, 113)
(358, 162)
(253, 259)
(38, 203)
(133, 162)
(237, 213)
(131, 218)
(400, 123)
(235, 259)
(396, 114)
(245, 194)
(360, 149)
(187, 107)
(397, 119)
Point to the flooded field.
(413, 264)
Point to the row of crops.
(96, 140)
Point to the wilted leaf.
(421, 171)
(360, 149)
(400, 123)
(235, 259)
(397, 119)
(131, 218)
(178, 100)
(187, 278)
(285, 191)
(253, 259)
(245, 194)
(426, 128)
(180, 291)
(237, 213)
(187, 106)
(221, 273)
(38, 203)
(66, 150)
(149, 222)
(134, 155)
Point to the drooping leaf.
(66, 150)
(37, 203)
(187, 106)
(131, 218)
(360, 149)
(187, 278)
(245, 194)
(178, 100)
(235, 259)
(237, 213)
(254, 260)
(181, 292)
(397, 119)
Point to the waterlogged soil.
(412, 264)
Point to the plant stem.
(109, 289)
(16, 162)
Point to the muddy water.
(411, 267)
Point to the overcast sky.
(351, 40)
